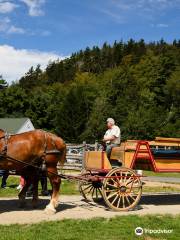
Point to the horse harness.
(3, 154)
(35, 163)
(6, 137)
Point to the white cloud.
(45, 33)
(159, 25)
(4, 23)
(123, 11)
(14, 63)
(7, 7)
(35, 7)
(7, 27)
(162, 25)
(144, 4)
(12, 29)
(116, 17)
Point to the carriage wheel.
(122, 189)
(91, 191)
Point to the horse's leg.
(51, 164)
(55, 183)
(35, 192)
(22, 194)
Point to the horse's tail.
(56, 144)
(62, 158)
(61, 147)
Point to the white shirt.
(114, 131)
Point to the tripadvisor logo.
(139, 231)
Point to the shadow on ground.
(11, 205)
(161, 199)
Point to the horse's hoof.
(50, 211)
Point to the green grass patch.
(67, 188)
(11, 191)
(71, 188)
(118, 228)
(154, 174)
(160, 189)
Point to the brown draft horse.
(38, 148)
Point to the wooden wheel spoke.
(111, 185)
(136, 180)
(114, 199)
(119, 201)
(114, 180)
(123, 201)
(93, 192)
(110, 190)
(130, 180)
(121, 189)
(89, 190)
(127, 200)
(125, 177)
(99, 189)
(111, 195)
(117, 178)
(96, 193)
(84, 189)
(134, 199)
(120, 180)
(130, 186)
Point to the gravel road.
(74, 207)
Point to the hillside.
(137, 83)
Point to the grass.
(98, 228)
(67, 188)
(160, 189)
(71, 188)
(11, 191)
(151, 173)
(117, 228)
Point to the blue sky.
(39, 30)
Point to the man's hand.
(110, 138)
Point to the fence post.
(96, 145)
(83, 156)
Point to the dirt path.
(74, 207)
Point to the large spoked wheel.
(91, 191)
(122, 189)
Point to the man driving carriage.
(112, 136)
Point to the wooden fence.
(75, 155)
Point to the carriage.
(116, 180)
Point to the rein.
(67, 177)
(3, 155)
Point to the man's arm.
(108, 138)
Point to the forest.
(136, 83)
